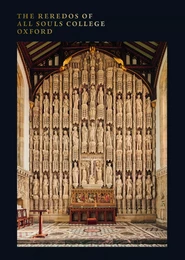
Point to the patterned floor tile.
(111, 234)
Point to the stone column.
(70, 131)
(31, 154)
(133, 150)
(124, 153)
(40, 149)
(50, 144)
(60, 146)
(114, 132)
(143, 155)
(154, 157)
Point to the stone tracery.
(93, 113)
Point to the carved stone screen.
(93, 126)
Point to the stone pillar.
(60, 146)
(133, 151)
(154, 157)
(143, 154)
(40, 150)
(124, 152)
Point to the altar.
(96, 204)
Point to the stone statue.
(84, 137)
(100, 96)
(65, 141)
(148, 139)
(138, 141)
(84, 104)
(92, 60)
(36, 113)
(55, 141)
(148, 113)
(109, 107)
(75, 107)
(85, 63)
(139, 112)
(92, 108)
(36, 141)
(75, 174)
(55, 185)
(128, 141)
(75, 78)
(139, 187)
(93, 94)
(119, 116)
(128, 105)
(65, 185)
(109, 175)
(65, 105)
(119, 104)
(99, 171)
(35, 185)
(129, 186)
(138, 104)
(128, 112)
(45, 185)
(148, 106)
(65, 111)
(108, 137)
(119, 140)
(75, 136)
(46, 104)
(75, 99)
(99, 135)
(119, 185)
(109, 100)
(92, 132)
(56, 104)
(149, 185)
(84, 97)
(46, 140)
(84, 174)
(84, 133)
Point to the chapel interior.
(92, 131)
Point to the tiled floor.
(121, 234)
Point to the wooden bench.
(91, 221)
(22, 219)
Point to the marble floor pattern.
(121, 234)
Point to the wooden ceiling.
(145, 57)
